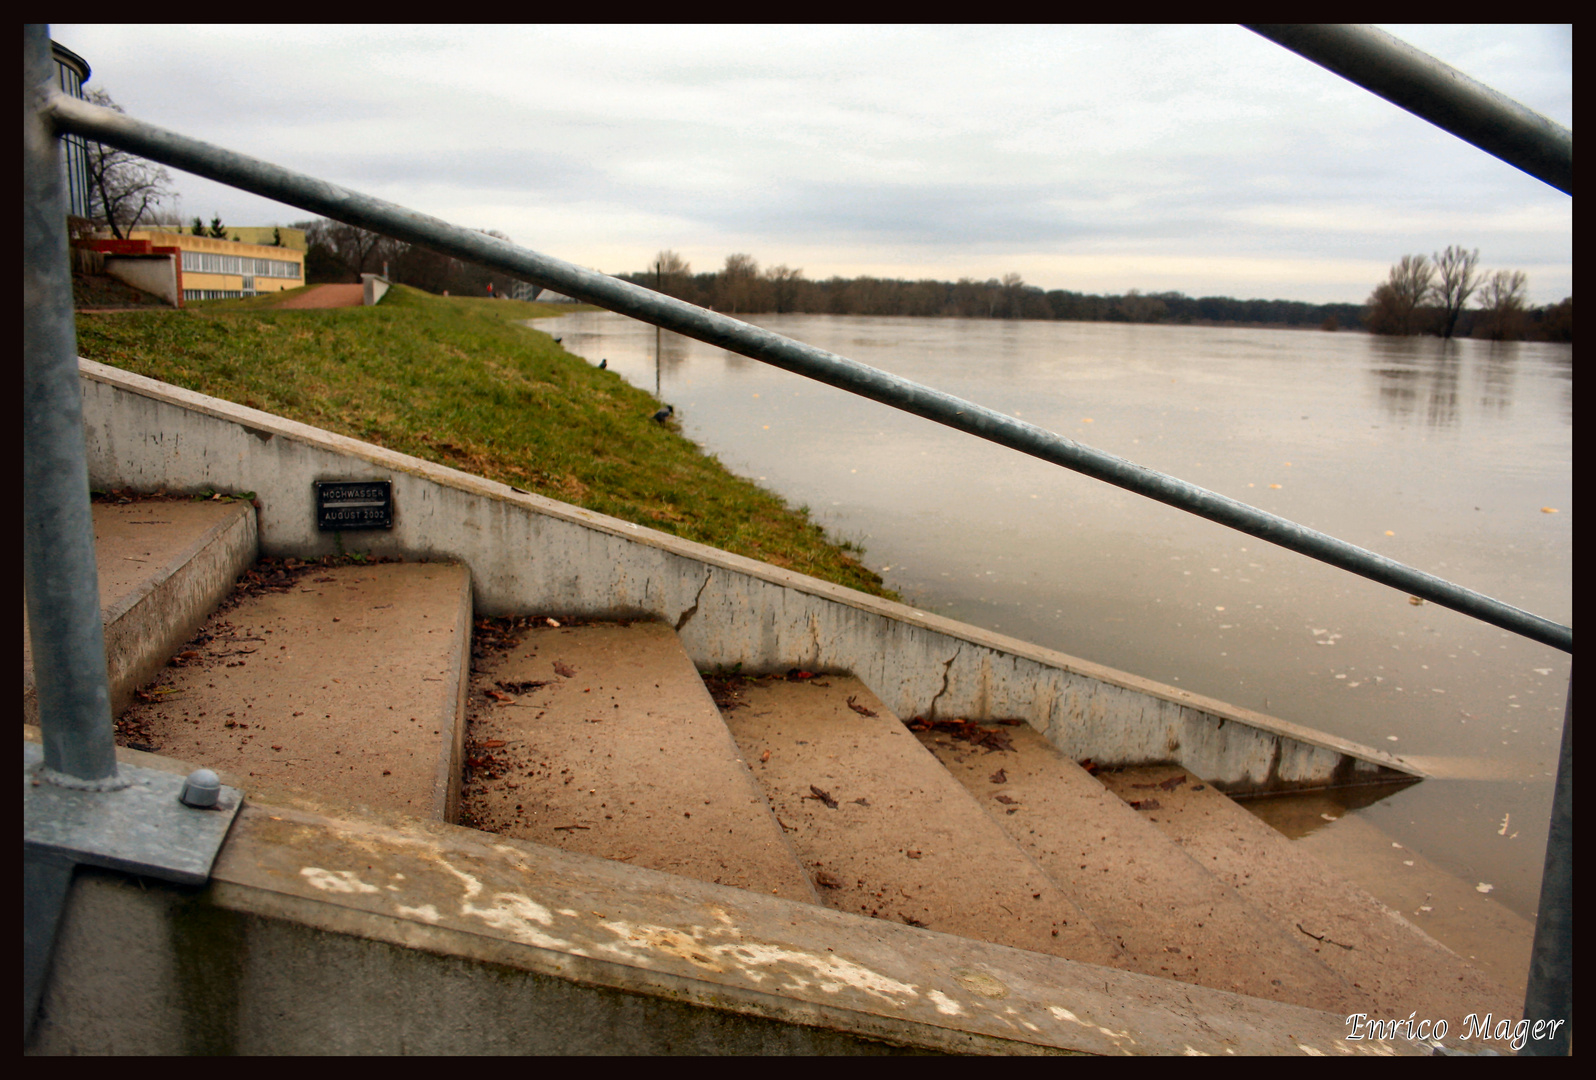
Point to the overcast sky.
(1201, 159)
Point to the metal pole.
(649, 306)
(1439, 93)
(59, 575)
(659, 286)
(1550, 994)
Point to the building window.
(204, 262)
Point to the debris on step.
(611, 746)
(339, 680)
(885, 831)
(1172, 917)
(1392, 963)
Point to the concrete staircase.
(358, 684)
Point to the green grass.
(458, 381)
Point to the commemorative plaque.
(354, 504)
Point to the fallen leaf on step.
(827, 879)
(1005, 800)
(969, 732)
(491, 744)
(1172, 783)
(521, 687)
(765, 756)
(498, 696)
(861, 801)
(860, 709)
(821, 796)
(795, 675)
(1145, 804)
(563, 669)
(999, 777)
(914, 854)
(911, 920)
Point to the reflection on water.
(1440, 455)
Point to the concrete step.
(344, 681)
(601, 739)
(1395, 966)
(1170, 917)
(1472, 924)
(886, 831)
(164, 564)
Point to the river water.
(1455, 458)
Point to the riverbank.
(459, 381)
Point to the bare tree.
(784, 282)
(1455, 268)
(1502, 302)
(1394, 305)
(671, 274)
(123, 189)
(738, 283)
(354, 250)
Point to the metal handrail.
(296, 189)
(49, 344)
(1437, 92)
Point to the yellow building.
(226, 269)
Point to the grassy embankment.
(458, 381)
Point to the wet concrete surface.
(1396, 967)
(1171, 917)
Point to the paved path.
(326, 296)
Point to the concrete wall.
(375, 287)
(154, 274)
(322, 935)
(529, 554)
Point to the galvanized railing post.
(58, 567)
(1550, 994)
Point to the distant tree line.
(742, 288)
(339, 253)
(1430, 295)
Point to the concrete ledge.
(144, 627)
(373, 287)
(529, 553)
(339, 936)
(451, 750)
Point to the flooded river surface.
(1454, 458)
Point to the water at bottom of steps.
(1395, 966)
(1171, 916)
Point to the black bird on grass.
(558, 340)
(664, 414)
(604, 363)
